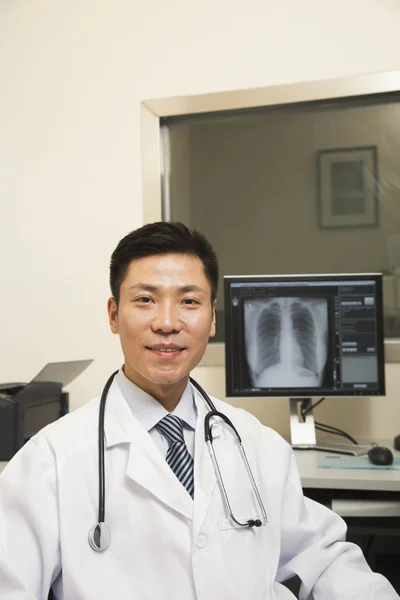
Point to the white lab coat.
(165, 546)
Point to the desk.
(2, 465)
(369, 502)
(353, 493)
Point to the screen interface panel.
(304, 335)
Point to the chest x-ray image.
(286, 341)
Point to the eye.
(144, 300)
(190, 301)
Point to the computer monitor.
(304, 336)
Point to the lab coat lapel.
(204, 476)
(146, 466)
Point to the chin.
(166, 378)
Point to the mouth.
(167, 351)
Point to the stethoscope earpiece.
(254, 523)
(100, 537)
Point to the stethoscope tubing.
(100, 535)
(101, 456)
(102, 475)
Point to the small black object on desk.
(396, 442)
(380, 456)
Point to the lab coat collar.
(119, 423)
(146, 466)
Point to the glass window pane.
(305, 188)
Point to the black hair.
(162, 237)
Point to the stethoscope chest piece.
(100, 537)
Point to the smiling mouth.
(163, 349)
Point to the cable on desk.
(307, 407)
(333, 431)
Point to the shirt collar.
(148, 411)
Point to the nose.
(166, 318)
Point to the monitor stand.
(303, 436)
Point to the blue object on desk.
(355, 462)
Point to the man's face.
(164, 320)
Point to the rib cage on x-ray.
(286, 341)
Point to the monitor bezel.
(308, 392)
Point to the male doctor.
(171, 538)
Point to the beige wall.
(73, 74)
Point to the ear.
(112, 315)
(213, 321)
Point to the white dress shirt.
(149, 412)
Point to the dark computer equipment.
(25, 408)
(379, 455)
(303, 337)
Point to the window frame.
(155, 167)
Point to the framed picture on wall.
(348, 187)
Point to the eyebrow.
(147, 287)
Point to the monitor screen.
(304, 335)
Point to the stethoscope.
(100, 534)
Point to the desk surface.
(374, 480)
(346, 479)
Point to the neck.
(167, 395)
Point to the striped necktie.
(178, 457)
